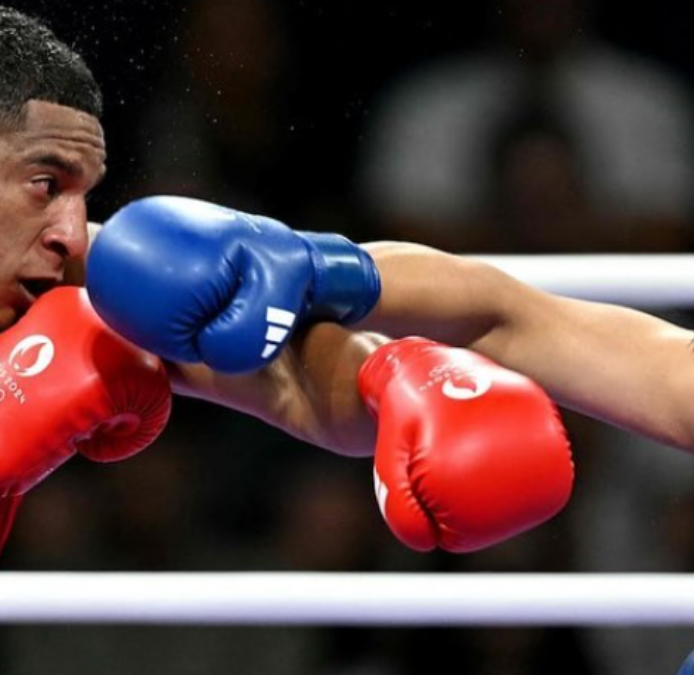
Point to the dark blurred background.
(375, 119)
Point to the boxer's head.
(52, 154)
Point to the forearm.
(623, 366)
(425, 291)
(310, 391)
(326, 362)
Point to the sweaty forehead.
(73, 131)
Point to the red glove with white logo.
(469, 454)
(69, 384)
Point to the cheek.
(15, 241)
(16, 217)
(6, 279)
(8, 312)
(7, 248)
(17, 238)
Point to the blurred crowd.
(522, 126)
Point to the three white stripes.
(279, 322)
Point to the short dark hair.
(35, 64)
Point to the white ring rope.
(642, 280)
(347, 598)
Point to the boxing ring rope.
(385, 599)
(479, 599)
(643, 280)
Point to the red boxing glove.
(469, 454)
(69, 384)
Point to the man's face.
(47, 168)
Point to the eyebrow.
(73, 169)
(57, 162)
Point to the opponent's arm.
(309, 391)
(617, 364)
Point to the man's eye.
(47, 184)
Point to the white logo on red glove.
(381, 492)
(31, 356)
(472, 384)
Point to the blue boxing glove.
(197, 282)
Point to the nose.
(67, 235)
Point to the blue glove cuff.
(346, 284)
